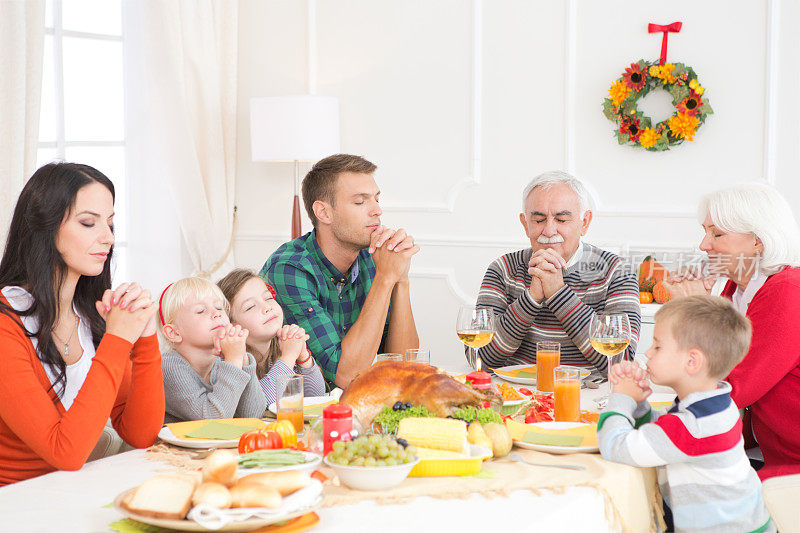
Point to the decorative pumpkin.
(660, 293)
(650, 273)
(645, 297)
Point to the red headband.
(160, 300)
(272, 290)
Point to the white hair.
(761, 210)
(546, 180)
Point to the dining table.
(605, 497)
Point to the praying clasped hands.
(129, 312)
(392, 251)
(546, 267)
(630, 379)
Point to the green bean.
(271, 458)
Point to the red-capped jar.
(337, 424)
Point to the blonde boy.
(696, 444)
(208, 373)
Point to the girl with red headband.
(208, 373)
(279, 349)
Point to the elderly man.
(551, 291)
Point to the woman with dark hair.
(72, 351)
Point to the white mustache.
(555, 239)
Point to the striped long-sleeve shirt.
(595, 283)
(698, 449)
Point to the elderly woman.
(752, 238)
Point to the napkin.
(521, 432)
(527, 372)
(219, 429)
(316, 410)
(213, 518)
(660, 405)
(547, 439)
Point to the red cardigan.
(768, 378)
(38, 436)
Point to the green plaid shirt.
(317, 297)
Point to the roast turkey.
(387, 382)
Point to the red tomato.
(538, 415)
(526, 392)
(316, 474)
(259, 440)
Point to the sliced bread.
(168, 496)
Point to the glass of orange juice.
(548, 356)
(289, 391)
(567, 393)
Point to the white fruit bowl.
(372, 477)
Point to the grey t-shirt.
(232, 392)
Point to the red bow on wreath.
(675, 27)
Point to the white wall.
(460, 103)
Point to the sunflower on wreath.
(636, 129)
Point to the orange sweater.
(38, 436)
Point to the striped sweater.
(595, 283)
(697, 447)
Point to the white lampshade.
(294, 128)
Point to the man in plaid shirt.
(338, 281)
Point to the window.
(82, 110)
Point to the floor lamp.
(294, 128)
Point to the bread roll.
(285, 482)
(168, 496)
(221, 467)
(254, 495)
(212, 494)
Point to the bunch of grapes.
(372, 450)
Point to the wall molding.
(449, 242)
(449, 277)
(770, 112)
(474, 177)
(771, 90)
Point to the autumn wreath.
(636, 129)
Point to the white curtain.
(180, 68)
(21, 57)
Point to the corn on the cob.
(430, 453)
(439, 433)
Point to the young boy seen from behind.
(208, 373)
(703, 472)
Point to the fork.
(517, 457)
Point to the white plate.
(527, 381)
(512, 403)
(558, 450)
(168, 436)
(313, 462)
(190, 525)
(310, 402)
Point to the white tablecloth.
(75, 502)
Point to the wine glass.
(610, 335)
(475, 328)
